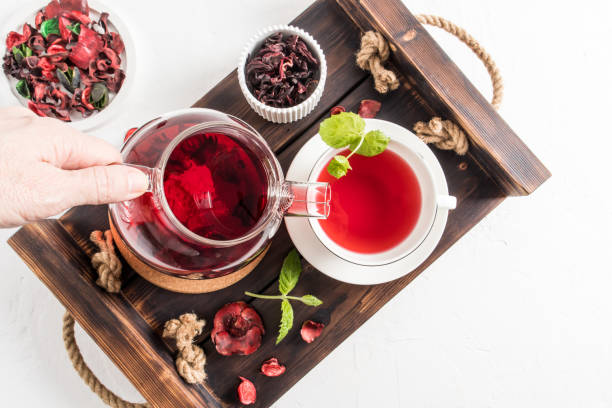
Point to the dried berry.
(247, 394)
(272, 368)
(238, 329)
(368, 108)
(311, 330)
(63, 58)
(283, 72)
(336, 110)
(129, 133)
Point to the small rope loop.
(452, 28)
(373, 53)
(191, 358)
(74, 353)
(444, 134)
(106, 262)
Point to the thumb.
(105, 184)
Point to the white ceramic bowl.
(26, 13)
(293, 113)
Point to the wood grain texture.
(493, 143)
(49, 250)
(128, 326)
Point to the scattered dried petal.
(247, 394)
(311, 330)
(337, 109)
(368, 108)
(272, 368)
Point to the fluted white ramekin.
(293, 113)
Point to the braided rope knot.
(106, 262)
(372, 55)
(444, 134)
(191, 358)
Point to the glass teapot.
(152, 232)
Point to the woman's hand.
(47, 167)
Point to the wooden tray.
(128, 326)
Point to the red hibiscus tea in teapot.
(214, 186)
(216, 197)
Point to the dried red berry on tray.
(311, 330)
(368, 108)
(336, 110)
(272, 368)
(238, 329)
(65, 62)
(283, 72)
(247, 394)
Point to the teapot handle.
(152, 174)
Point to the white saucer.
(309, 245)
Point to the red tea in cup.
(375, 206)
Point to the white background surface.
(516, 314)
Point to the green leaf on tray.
(342, 129)
(286, 322)
(49, 27)
(23, 89)
(290, 272)
(289, 276)
(339, 166)
(311, 300)
(374, 143)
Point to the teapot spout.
(305, 199)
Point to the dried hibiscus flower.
(272, 368)
(65, 62)
(247, 394)
(368, 108)
(283, 72)
(238, 329)
(311, 330)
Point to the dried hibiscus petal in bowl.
(238, 329)
(283, 72)
(66, 62)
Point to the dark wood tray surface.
(128, 326)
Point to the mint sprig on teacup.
(348, 129)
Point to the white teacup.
(410, 148)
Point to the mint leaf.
(49, 27)
(342, 129)
(286, 322)
(290, 272)
(75, 28)
(311, 300)
(23, 89)
(18, 54)
(374, 143)
(339, 166)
